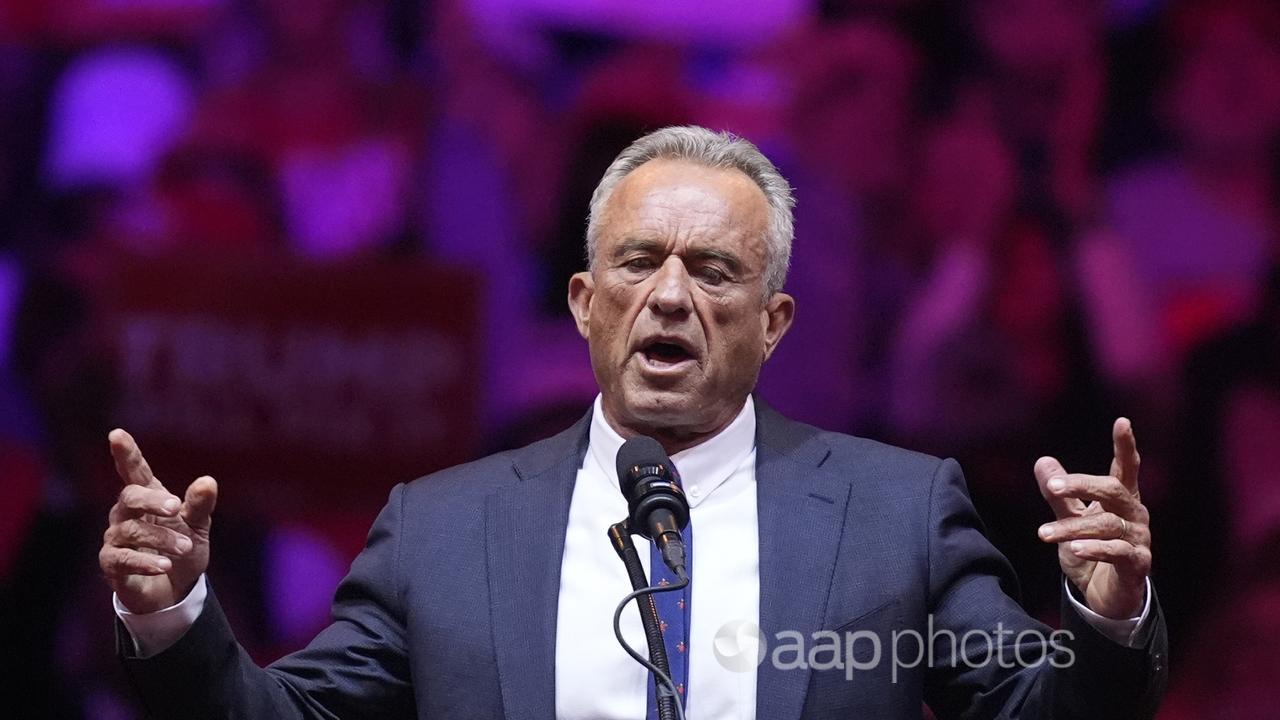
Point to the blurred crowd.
(1016, 220)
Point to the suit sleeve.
(356, 667)
(1012, 666)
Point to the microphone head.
(641, 452)
(649, 483)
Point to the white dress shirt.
(595, 679)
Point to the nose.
(671, 293)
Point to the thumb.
(197, 506)
(1046, 469)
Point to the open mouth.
(665, 353)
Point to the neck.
(672, 439)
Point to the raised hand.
(1102, 529)
(156, 545)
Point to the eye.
(639, 264)
(711, 275)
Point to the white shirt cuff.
(1125, 632)
(155, 632)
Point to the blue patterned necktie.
(673, 618)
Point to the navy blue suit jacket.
(450, 611)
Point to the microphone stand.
(620, 537)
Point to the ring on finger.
(1124, 528)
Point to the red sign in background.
(306, 390)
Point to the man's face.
(674, 310)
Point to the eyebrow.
(629, 246)
(731, 261)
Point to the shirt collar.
(703, 467)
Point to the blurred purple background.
(317, 247)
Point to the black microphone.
(656, 504)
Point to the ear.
(582, 288)
(777, 315)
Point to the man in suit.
(487, 590)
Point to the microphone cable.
(665, 684)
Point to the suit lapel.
(525, 526)
(802, 510)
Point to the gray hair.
(715, 150)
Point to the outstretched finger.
(131, 466)
(1126, 460)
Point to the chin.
(662, 409)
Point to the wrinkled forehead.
(681, 202)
